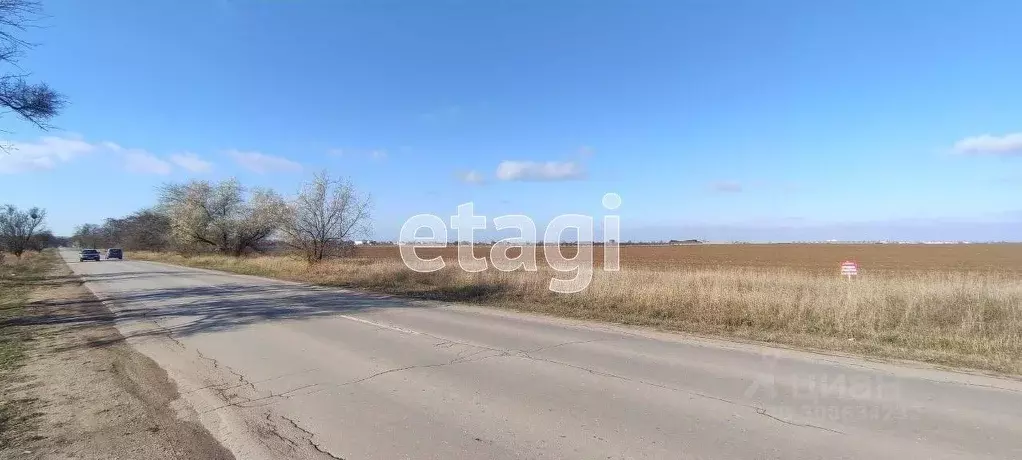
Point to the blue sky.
(712, 119)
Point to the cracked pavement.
(281, 370)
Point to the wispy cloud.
(140, 161)
(987, 144)
(52, 151)
(586, 151)
(44, 154)
(539, 171)
(726, 187)
(471, 177)
(262, 163)
(378, 154)
(191, 162)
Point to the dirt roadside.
(82, 391)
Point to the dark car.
(88, 254)
(114, 253)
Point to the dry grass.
(804, 258)
(18, 279)
(971, 319)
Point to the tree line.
(145, 230)
(225, 217)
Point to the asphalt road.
(278, 370)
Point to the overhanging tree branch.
(36, 103)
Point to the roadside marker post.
(849, 269)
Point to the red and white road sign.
(849, 268)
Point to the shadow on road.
(195, 309)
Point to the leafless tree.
(145, 230)
(17, 228)
(325, 215)
(35, 102)
(89, 236)
(220, 215)
(42, 240)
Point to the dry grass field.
(956, 305)
(805, 258)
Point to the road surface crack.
(416, 366)
(461, 358)
(309, 438)
(763, 412)
(390, 371)
(231, 387)
(244, 404)
(759, 410)
(273, 429)
(576, 342)
(170, 335)
(216, 365)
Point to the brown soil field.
(806, 258)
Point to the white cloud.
(51, 151)
(110, 146)
(191, 162)
(335, 152)
(262, 163)
(726, 187)
(378, 154)
(46, 153)
(986, 144)
(471, 177)
(140, 161)
(539, 171)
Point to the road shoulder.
(83, 392)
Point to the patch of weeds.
(18, 278)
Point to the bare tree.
(42, 240)
(17, 228)
(34, 102)
(220, 215)
(145, 230)
(324, 216)
(89, 236)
